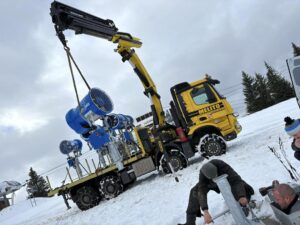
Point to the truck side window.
(199, 96)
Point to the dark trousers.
(194, 205)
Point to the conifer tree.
(296, 50)
(263, 97)
(36, 185)
(248, 90)
(280, 89)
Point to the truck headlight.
(235, 114)
(238, 126)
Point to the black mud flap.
(187, 150)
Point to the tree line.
(261, 91)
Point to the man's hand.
(243, 201)
(207, 217)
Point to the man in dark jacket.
(198, 194)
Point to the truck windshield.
(199, 95)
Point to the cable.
(234, 85)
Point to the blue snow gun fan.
(123, 123)
(74, 146)
(94, 105)
(119, 121)
(66, 147)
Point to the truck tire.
(86, 197)
(177, 160)
(212, 145)
(110, 186)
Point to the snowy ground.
(159, 200)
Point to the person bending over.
(198, 194)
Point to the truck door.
(201, 102)
(294, 69)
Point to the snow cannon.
(127, 136)
(97, 102)
(98, 138)
(93, 106)
(75, 146)
(119, 121)
(71, 162)
(66, 147)
(129, 121)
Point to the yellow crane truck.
(203, 118)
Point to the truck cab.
(202, 111)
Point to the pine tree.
(36, 185)
(296, 50)
(248, 90)
(279, 88)
(263, 97)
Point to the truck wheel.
(177, 160)
(86, 197)
(110, 187)
(212, 145)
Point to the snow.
(158, 200)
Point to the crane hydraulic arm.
(65, 17)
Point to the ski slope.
(158, 200)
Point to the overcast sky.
(182, 40)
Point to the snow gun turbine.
(97, 105)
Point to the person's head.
(297, 139)
(283, 195)
(292, 128)
(209, 170)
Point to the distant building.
(146, 120)
(4, 202)
(6, 188)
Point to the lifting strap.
(63, 40)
